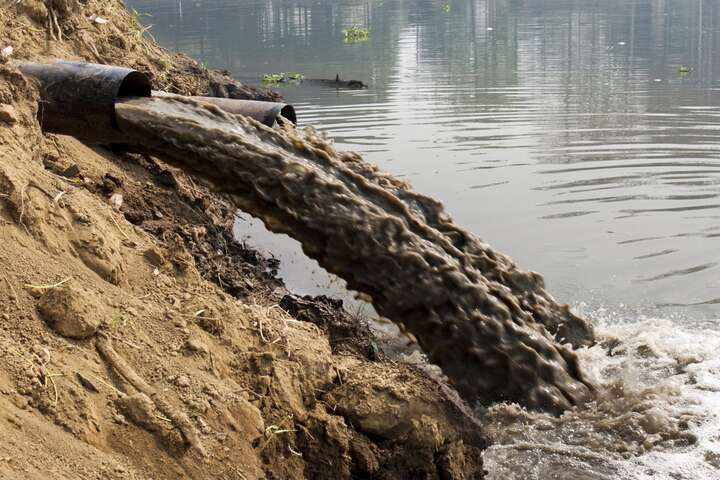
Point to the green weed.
(136, 26)
(356, 34)
(283, 77)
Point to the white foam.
(658, 417)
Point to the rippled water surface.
(561, 131)
(579, 136)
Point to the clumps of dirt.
(71, 311)
(346, 333)
(193, 223)
(139, 409)
(171, 412)
(221, 84)
(386, 405)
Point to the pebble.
(196, 345)
(212, 391)
(182, 381)
(87, 383)
(204, 427)
(20, 402)
(116, 201)
(42, 353)
(71, 172)
(8, 114)
(154, 257)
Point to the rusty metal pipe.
(78, 98)
(264, 112)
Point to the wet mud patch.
(346, 333)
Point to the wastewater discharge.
(492, 329)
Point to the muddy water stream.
(478, 317)
(563, 133)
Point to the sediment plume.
(478, 317)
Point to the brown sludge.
(484, 322)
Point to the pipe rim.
(135, 84)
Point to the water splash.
(656, 416)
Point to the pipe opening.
(289, 112)
(135, 84)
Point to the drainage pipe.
(78, 99)
(267, 113)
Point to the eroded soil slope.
(138, 340)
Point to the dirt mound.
(71, 312)
(139, 340)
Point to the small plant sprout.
(684, 70)
(138, 29)
(356, 34)
(446, 8)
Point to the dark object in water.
(266, 113)
(78, 99)
(337, 83)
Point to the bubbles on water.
(656, 416)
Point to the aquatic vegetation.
(446, 8)
(282, 77)
(356, 34)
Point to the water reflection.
(562, 131)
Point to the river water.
(577, 136)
